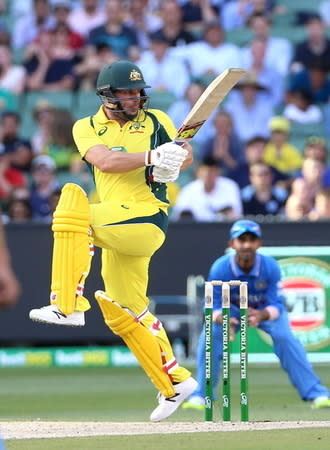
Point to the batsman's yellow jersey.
(154, 129)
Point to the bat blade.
(207, 103)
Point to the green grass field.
(125, 395)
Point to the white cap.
(44, 160)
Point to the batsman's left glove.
(165, 175)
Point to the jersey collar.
(101, 117)
(237, 271)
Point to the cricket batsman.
(130, 152)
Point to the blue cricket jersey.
(264, 281)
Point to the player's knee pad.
(73, 250)
(139, 340)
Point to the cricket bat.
(207, 103)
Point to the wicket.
(208, 317)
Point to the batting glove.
(166, 156)
(165, 175)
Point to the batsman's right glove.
(168, 156)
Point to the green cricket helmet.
(119, 76)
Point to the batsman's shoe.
(167, 405)
(194, 402)
(321, 402)
(51, 314)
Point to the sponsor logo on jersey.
(102, 131)
(136, 127)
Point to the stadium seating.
(161, 100)
(300, 132)
(86, 103)
(301, 5)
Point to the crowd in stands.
(263, 152)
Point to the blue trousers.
(287, 348)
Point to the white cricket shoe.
(167, 405)
(51, 314)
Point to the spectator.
(278, 50)
(172, 25)
(94, 58)
(44, 184)
(61, 11)
(42, 114)
(180, 108)
(9, 285)
(225, 147)
(18, 211)
(210, 56)
(10, 178)
(312, 172)
(5, 35)
(114, 33)
(28, 27)
(12, 76)
(250, 111)
(313, 79)
(53, 199)
(261, 196)
(87, 16)
(20, 193)
(159, 65)
(254, 152)
(142, 21)
(300, 202)
(20, 8)
(50, 62)
(324, 10)
(20, 149)
(195, 13)
(235, 13)
(279, 153)
(61, 147)
(266, 73)
(321, 210)
(315, 148)
(64, 46)
(210, 197)
(300, 107)
(315, 49)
